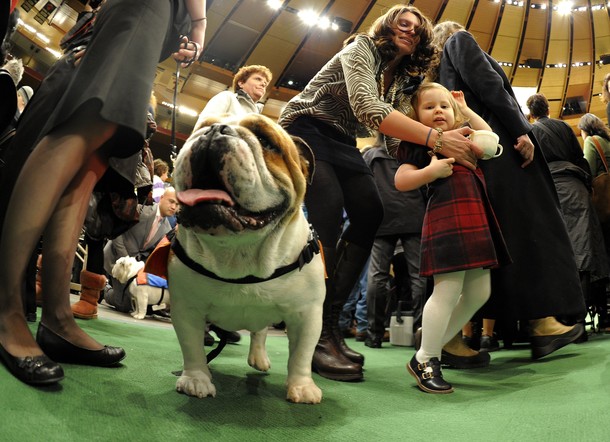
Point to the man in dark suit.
(139, 241)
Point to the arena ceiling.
(563, 53)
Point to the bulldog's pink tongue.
(193, 197)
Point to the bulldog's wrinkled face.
(235, 175)
(125, 268)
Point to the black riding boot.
(351, 259)
(328, 359)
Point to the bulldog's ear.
(308, 161)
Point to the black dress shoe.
(61, 350)
(373, 341)
(33, 370)
(545, 345)
(429, 376)
(480, 360)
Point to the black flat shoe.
(429, 376)
(545, 345)
(33, 370)
(479, 360)
(61, 350)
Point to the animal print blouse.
(345, 93)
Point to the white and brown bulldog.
(245, 256)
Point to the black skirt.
(118, 69)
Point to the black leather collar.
(311, 249)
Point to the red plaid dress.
(460, 230)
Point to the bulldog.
(144, 288)
(244, 256)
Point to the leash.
(173, 148)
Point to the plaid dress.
(460, 230)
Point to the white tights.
(456, 298)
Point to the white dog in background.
(142, 295)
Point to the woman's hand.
(190, 50)
(456, 145)
(526, 148)
(441, 168)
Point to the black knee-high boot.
(351, 259)
(328, 359)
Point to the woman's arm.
(408, 177)
(359, 64)
(455, 143)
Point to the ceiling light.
(308, 16)
(564, 8)
(275, 4)
(324, 23)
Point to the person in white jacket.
(249, 86)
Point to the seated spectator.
(138, 242)
(161, 169)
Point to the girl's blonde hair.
(460, 118)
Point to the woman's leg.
(59, 245)
(51, 168)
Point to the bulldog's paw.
(138, 315)
(307, 393)
(199, 385)
(259, 360)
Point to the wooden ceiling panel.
(457, 10)
(601, 25)
(484, 21)
(430, 8)
(526, 78)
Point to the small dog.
(142, 292)
(241, 184)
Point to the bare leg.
(44, 186)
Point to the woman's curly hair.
(382, 32)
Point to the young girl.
(461, 239)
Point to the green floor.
(564, 397)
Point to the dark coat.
(543, 279)
(572, 176)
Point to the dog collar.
(311, 249)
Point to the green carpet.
(565, 397)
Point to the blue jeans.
(355, 306)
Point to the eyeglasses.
(405, 26)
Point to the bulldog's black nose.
(223, 129)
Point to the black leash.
(172, 146)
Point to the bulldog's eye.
(266, 144)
